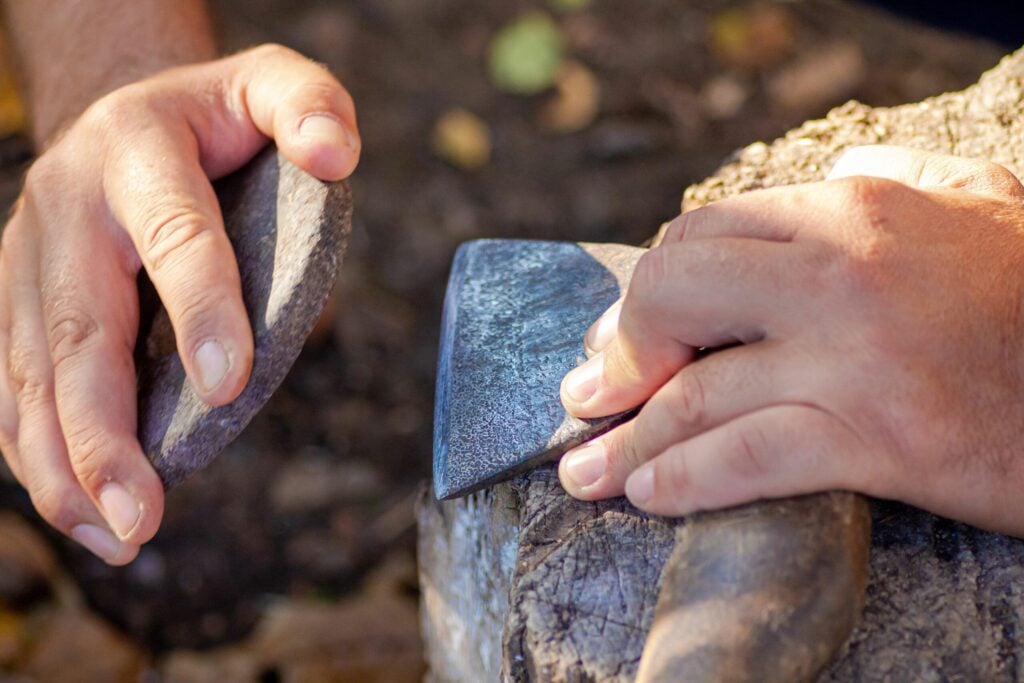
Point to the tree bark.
(521, 582)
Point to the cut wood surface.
(521, 582)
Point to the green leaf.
(569, 5)
(526, 54)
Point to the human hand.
(126, 187)
(880, 331)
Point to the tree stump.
(521, 582)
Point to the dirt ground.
(291, 558)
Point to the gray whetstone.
(289, 232)
(515, 315)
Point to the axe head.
(515, 315)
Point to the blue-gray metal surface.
(515, 315)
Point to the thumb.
(927, 170)
(274, 92)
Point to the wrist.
(71, 58)
(54, 104)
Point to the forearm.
(71, 52)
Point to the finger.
(8, 406)
(603, 331)
(927, 170)
(707, 293)
(172, 217)
(90, 311)
(784, 450)
(775, 214)
(44, 467)
(272, 91)
(304, 108)
(703, 395)
(835, 208)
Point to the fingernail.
(211, 363)
(601, 333)
(97, 541)
(325, 129)
(581, 383)
(586, 464)
(640, 486)
(120, 510)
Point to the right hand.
(874, 325)
(126, 187)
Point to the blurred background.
(292, 557)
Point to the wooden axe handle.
(766, 592)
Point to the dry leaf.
(12, 109)
(462, 139)
(576, 103)
(723, 96)
(74, 646)
(822, 79)
(755, 37)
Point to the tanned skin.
(72, 53)
(133, 116)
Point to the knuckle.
(692, 408)
(673, 482)
(8, 438)
(193, 312)
(120, 110)
(43, 173)
(71, 329)
(31, 385)
(867, 197)
(52, 169)
(750, 455)
(676, 230)
(860, 261)
(56, 505)
(625, 453)
(650, 273)
(167, 236)
(623, 367)
(992, 177)
(695, 224)
(88, 451)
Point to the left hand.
(127, 187)
(880, 322)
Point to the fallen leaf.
(462, 139)
(215, 666)
(576, 102)
(723, 96)
(27, 563)
(526, 54)
(74, 646)
(821, 79)
(367, 638)
(12, 109)
(755, 37)
(569, 5)
(13, 637)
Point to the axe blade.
(514, 319)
